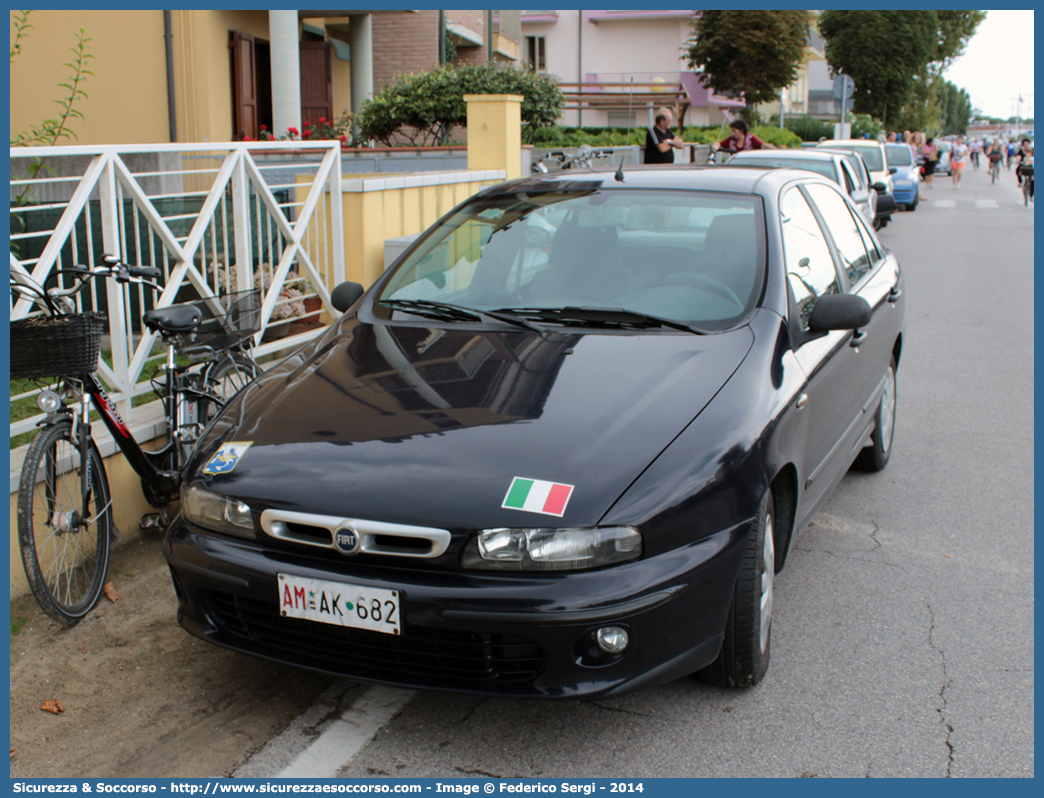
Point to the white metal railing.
(195, 211)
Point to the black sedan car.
(556, 465)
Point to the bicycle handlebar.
(112, 267)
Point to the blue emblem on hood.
(226, 458)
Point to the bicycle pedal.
(151, 522)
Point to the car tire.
(746, 647)
(874, 456)
(913, 205)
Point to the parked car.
(833, 165)
(873, 155)
(573, 480)
(942, 166)
(906, 178)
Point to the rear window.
(872, 156)
(692, 256)
(824, 168)
(898, 155)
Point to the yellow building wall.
(203, 71)
(127, 94)
(127, 98)
(371, 217)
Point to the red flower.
(247, 138)
(344, 139)
(306, 134)
(293, 131)
(322, 120)
(308, 124)
(264, 127)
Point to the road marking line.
(986, 204)
(944, 204)
(348, 735)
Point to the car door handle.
(858, 338)
(895, 293)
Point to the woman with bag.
(930, 153)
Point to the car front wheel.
(744, 656)
(874, 456)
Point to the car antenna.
(630, 127)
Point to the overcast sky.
(997, 65)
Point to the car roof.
(849, 143)
(812, 155)
(679, 177)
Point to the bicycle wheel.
(225, 378)
(64, 541)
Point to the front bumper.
(905, 195)
(511, 635)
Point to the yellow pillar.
(495, 132)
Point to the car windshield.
(694, 257)
(898, 155)
(820, 167)
(871, 154)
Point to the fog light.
(611, 639)
(48, 401)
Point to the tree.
(755, 53)
(955, 31)
(904, 42)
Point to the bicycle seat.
(175, 319)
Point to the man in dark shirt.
(659, 140)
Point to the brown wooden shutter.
(316, 82)
(244, 85)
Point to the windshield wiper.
(449, 312)
(617, 317)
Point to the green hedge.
(424, 108)
(558, 136)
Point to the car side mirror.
(839, 312)
(345, 295)
(893, 169)
(880, 187)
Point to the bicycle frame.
(146, 464)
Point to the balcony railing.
(212, 217)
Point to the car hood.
(430, 426)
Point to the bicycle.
(65, 525)
(584, 159)
(1027, 183)
(995, 169)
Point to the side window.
(810, 267)
(850, 179)
(842, 226)
(872, 249)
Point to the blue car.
(905, 176)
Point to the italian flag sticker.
(537, 496)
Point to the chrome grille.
(376, 537)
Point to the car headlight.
(524, 549)
(217, 513)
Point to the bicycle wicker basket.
(56, 346)
(228, 320)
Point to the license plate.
(339, 604)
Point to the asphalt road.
(903, 632)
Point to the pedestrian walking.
(930, 154)
(958, 155)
